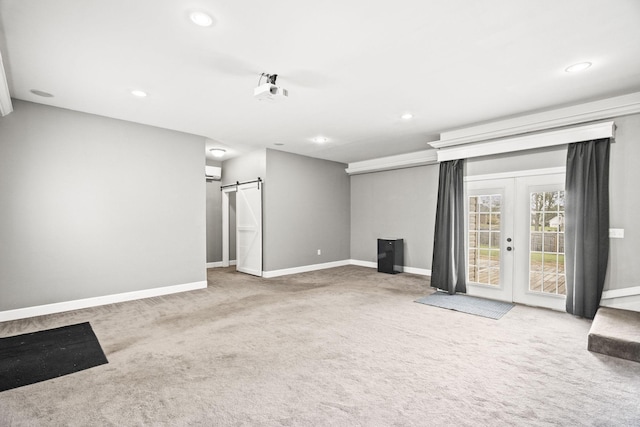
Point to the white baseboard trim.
(623, 299)
(360, 263)
(624, 292)
(41, 310)
(314, 267)
(59, 307)
(419, 271)
(218, 264)
(304, 269)
(410, 270)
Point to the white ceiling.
(352, 67)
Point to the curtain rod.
(259, 180)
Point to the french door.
(515, 239)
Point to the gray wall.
(214, 218)
(624, 175)
(377, 197)
(306, 208)
(92, 206)
(519, 161)
(399, 203)
(245, 168)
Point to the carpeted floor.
(346, 346)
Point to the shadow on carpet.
(467, 304)
(40, 356)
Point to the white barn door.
(249, 229)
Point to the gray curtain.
(448, 271)
(587, 225)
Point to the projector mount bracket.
(271, 78)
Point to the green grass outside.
(546, 228)
(538, 257)
(534, 256)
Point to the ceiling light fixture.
(406, 116)
(217, 152)
(41, 93)
(581, 66)
(320, 139)
(139, 93)
(201, 19)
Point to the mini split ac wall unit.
(213, 173)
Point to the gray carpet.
(467, 304)
(340, 347)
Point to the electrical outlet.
(319, 251)
(616, 233)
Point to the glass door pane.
(484, 238)
(546, 236)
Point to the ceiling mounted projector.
(269, 91)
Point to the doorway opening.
(515, 238)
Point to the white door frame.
(519, 262)
(225, 224)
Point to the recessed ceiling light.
(139, 93)
(278, 143)
(581, 66)
(320, 139)
(201, 19)
(41, 93)
(406, 116)
(217, 152)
